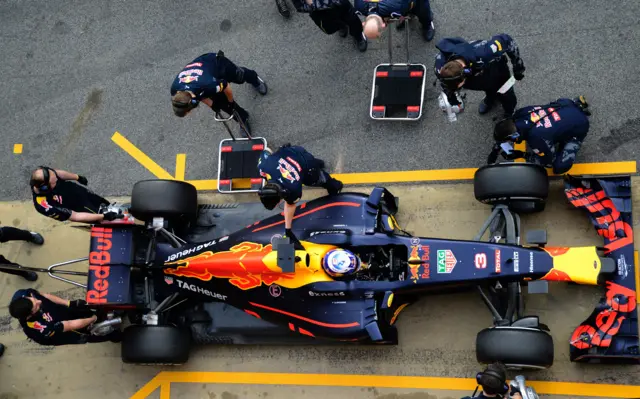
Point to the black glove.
(493, 156)
(110, 216)
(82, 180)
(296, 243)
(77, 303)
(515, 154)
(518, 69)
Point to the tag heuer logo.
(446, 261)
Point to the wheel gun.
(520, 385)
(451, 110)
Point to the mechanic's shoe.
(30, 276)
(344, 31)
(361, 43)
(1, 350)
(36, 238)
(485, 106)
(283, 8)
(262, 87)
(429, 32)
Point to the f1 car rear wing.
(610, 333)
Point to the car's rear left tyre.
(524, 187)
(516, 347)
(150, 344)
(173, 200)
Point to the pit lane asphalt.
(437, 334)
(74, 73)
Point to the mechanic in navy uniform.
(207, 79)
(493, 381)
(13, 234)
(51, 320)
(377, 12)
(333, 16)
(286, 171)
(62, 196)
(554, 133)
(480, 65)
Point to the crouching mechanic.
(62, 195)
(554, 133)
(206, 79)
(286, 171)
(493, 381)
(50, 320)
(480, 65)
(377, 12)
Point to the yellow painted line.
(140, 156)
(405, 176)
(181, 164)
(165, 390)
(17, 148)
(637, 267)
(378, 381)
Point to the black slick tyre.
(149, 344)
(516, 347)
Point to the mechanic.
(493, 381)
(207, 79)
(50, 320)
(480, 65)
(554, 133)
(285, 172)
(13, 234)
(378, 12)
(62, 195)
(333, 16)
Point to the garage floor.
(436, 335)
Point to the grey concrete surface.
(437, 334)
(75, 72)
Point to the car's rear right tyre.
(516, 347)
(524, 187)
(151, 344)
(175, 201)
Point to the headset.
(498, 376)
(271, 194)
(43, 186)
(193, 103)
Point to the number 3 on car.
(481, 261)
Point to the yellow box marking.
(17, 148)
(403, 176)
(181, 164)
(165, 390)
(571, 389)
(520, 147)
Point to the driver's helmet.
(340, 262)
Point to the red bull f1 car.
(172, 273)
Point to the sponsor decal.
(42, 201)
(37, 326)
(188, 79)
(623, 267)
(498, 261)
(494, 48)
(480, 261)
(327, 294)
(397, 312)
(287, 171)
(446, 261)
(275, 290)
(314, 233)
(47, 317)
(415, 241)
(547, 123)
(419, 258)
(426, 267)
(58, 199)
(168, 280)
(99, 265)
(297, 165)
(516, 261)
(193, 250)
(200, 290)
(530, 262)
(195, 64)
(191, 72)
